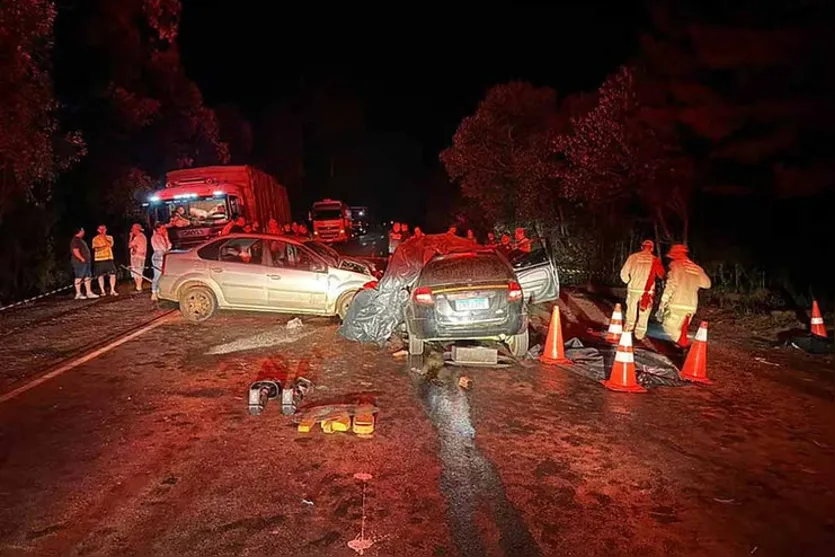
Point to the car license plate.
(473, 303)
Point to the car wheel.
(518, 344)
(343, 303)
(415, 345)
(197, 303)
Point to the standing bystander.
(80, 258)
(161, 245)
(103, 263)
(138, 250)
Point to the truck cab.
(194, 213)
(331, 221)
(197, 203)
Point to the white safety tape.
(56, 291)
(701, 334)
(132, 272)
(616, 329)
(617, 316)
(817, 321)
(40, 296)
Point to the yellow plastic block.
(364, 424)
(342, 423)
(327, 426)
(305, 427)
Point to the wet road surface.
(149, 450)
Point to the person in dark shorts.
(103, 263)
(80, 259)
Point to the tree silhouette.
(622, 151)
(32, 149)
(502, 155)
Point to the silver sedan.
(258, 272)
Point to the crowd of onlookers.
(97, 260)
(399, 233)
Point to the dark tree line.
(733, 108)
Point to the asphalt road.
(149, 449)
(373, 244)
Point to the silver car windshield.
(325, 251)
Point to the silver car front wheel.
(343, 303)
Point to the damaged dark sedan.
(474, 295)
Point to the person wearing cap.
(80, 260)
(681, 294)
(138, 245)
(639, 274)
(103, 263)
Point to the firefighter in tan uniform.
(639, 273)
(681, 294)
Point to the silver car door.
(240, 272)
(297, 280)
(536, 274)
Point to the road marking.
(72, 364)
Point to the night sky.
(418, 70)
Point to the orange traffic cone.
(695, 365)
(554, 352)
(623, 376)
(816, 327)
(615, 326)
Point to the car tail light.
(423, 295)
(369, 284)
(514, 292)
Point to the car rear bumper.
(166, 288)
(427, 327)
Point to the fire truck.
(331, 221)
(196, 203)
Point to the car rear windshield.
(452, 269)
